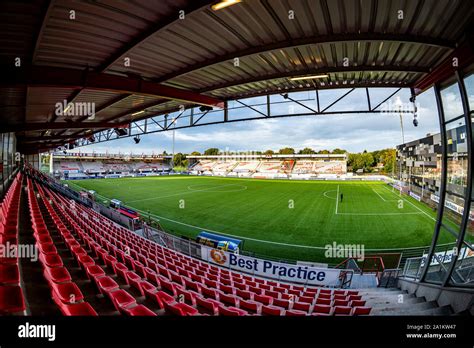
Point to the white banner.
(270, 269)
(453, 206)
(447, 256)
(414, 195)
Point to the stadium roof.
(139, 59)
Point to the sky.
(352, 132)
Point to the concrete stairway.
(393, 301)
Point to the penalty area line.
(424, 212)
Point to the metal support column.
(442, 188)
(468, 192)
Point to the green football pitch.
(277, 218)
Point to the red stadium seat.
(168, 286)
(229, 299)
(210, 293)
(295, 313)
(11, 299)
(67, 292)
(272, 310)
(190, 285)
(301, 306)
(121, 299)
(272, 293)
(47, 249)
(106, 285)
(354, 298)
(247, 295)
(339, 297)
(227, 289)
(340, 303)
(252, 306)
(121, 270)
(139, 310)
(320, 309)
(187, 295)
(324, 296)
(211, 305)
(282, 303)
(323, 301)
(78, 309)
(361, 310)
(85, 261)
(53, 260)
(94, 271)
(151, 276)
(9, 274)
(240, 286)
(266, 300)
(306, 299)
(57, 274)
(342, 310)
(134, 280)
(357, 303)
(232, 311)
(180, 309)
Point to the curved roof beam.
(62, 77)
(323, 70)
(321, 39)
(195, 5)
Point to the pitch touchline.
(385, 200)
(378, 214)
(181, 193)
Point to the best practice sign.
(270, 269)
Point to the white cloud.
(354, 132)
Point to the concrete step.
(444, 310)
(384, 302)
(381, 294)
(406, 309)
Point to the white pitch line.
(378, 194)
(325, 194)
(337, 198)
(378, 214)
(432, 218)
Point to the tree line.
(383, 160)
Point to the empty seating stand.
(12, 301)
(175, 283)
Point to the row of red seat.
(122, 300)
(256, 296)
(65, 293)
(11, 294)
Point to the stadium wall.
(8, 162)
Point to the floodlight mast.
(174, 130)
